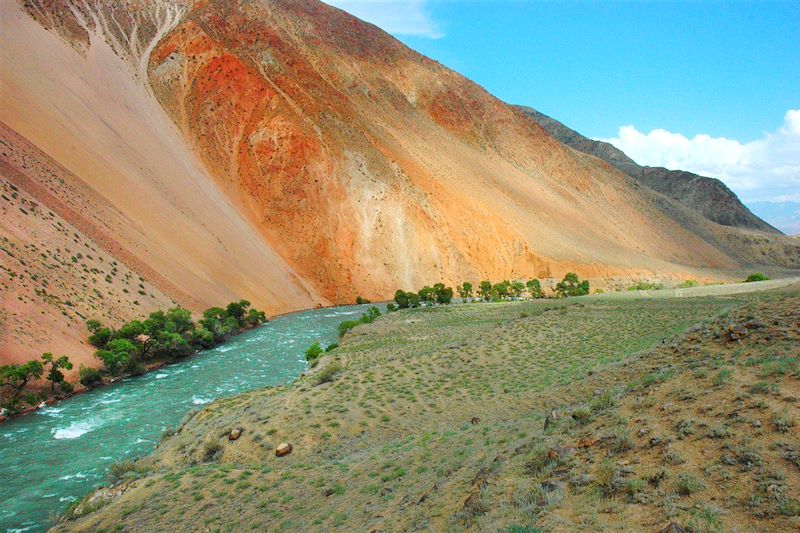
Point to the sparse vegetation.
(445, 407)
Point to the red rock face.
(314, 156)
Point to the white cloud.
(399, 17)
(767, 169)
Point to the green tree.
(16, 377)
(116, 355)
(237, 310)
(55, 376)
(427, 295)
(465, 290)
(131, 331)
(444, 295)
(100, 335)
(571, 285)
(502, 289)
(89, 377)
(255, 317)
(485, 290)
(534, 288)
(202, 338)
(413, 299)
(516, 289)
(401, 299)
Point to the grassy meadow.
(433, 419)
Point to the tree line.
(164, 336)
(487, 291)
(167, 336)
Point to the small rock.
(655, 441)
(235, 434)
(474, 420)
(756, 423)
(753, 324)
(284, 448)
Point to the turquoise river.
(56, 455)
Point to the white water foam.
(161, 376)
(79, 475)
(200, 401)
(76, 429)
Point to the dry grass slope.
(434, 421)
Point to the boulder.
(284, 448)
(235, 434)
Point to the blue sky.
(704, 86)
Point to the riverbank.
(433, 419)
(107, 379)
(60, 453)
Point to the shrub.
(687, 484)
(125, 469)
(605, 401)
(331, 347)
(362, 301)
(645, 286)
(621, 441)
(606, 477)
(346, 326)
(89, 377)
(783, 421)
(758, 276)
(211, 451)
(538, 461)
(582, 414)
(313, 352)
(327, 374)
(688, 284)
(391, 308)
(723, 377)
(790, 507)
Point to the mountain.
(196, 152)
(785, 214)
(707, 196)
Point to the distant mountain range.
(708, 197)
